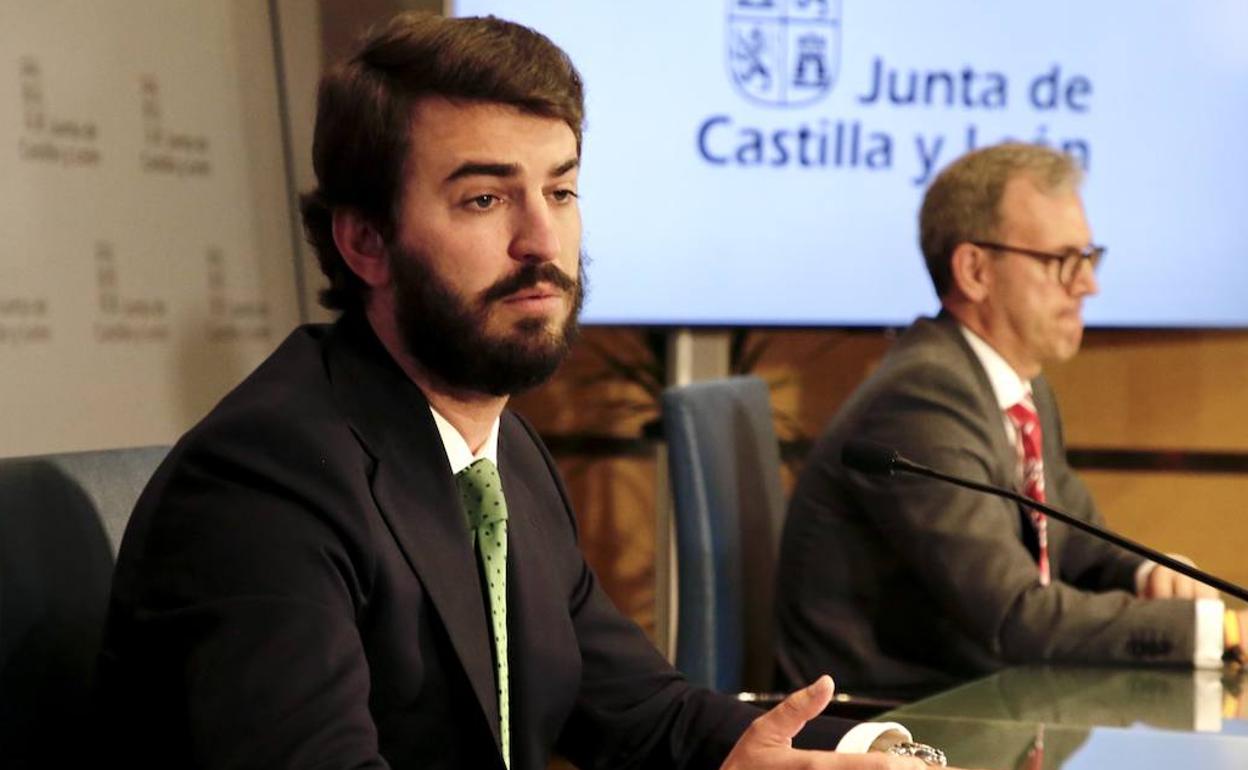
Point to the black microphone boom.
(878, 459)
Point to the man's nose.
(536, 237)
(1085, 283)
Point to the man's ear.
(362, 247)
(971, 270)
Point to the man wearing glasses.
(904, 586)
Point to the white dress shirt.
(458, 453)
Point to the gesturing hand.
(768, 741)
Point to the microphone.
(875, 459)
(878, 459)
(869, 457)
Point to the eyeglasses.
(1068, 262)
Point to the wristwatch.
(929, 754)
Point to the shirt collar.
(1007, 386)
(457, 451)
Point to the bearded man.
(360, 558)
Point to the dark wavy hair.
(365, 107)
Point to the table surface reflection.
(1073, 718)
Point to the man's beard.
(447, 333)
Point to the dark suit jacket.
(296, 588)
(903, 585)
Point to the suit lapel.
(1006, 451)
(1001, 446)
(417, 496)
(415, 491)
(527, 549)
(1005, 470)
(536, 608)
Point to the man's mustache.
(526, 278)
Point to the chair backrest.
(724, 465)
(61, 519)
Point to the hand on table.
(768, 742)
(1165, 583)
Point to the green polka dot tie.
(482, 492)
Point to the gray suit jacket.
(904, 585)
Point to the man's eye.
(563, 196)
(483, 201)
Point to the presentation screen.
(762, 162)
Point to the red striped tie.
(1031, 464)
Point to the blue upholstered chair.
(724, 465)
(61, 519)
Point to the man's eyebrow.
(472, 168)
(504, 170)
(565, 167)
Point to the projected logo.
(784, 53)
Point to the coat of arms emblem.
(784, 53)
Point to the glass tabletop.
(1071, 717)
(1003, 745)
